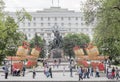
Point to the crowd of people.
(112, 72)
(82, 72)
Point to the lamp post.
(11, 64)
(11, 48)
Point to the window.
(23, 29)
(23, 24)
(41, 29)
(69, 18)
(55, 18)
(34, 24)
(29, 24)
(76, 24)
(41, 18)
(81, 23)
(87, 29)
(41, 24)
(81, 18)
(42, 34)
(34, 18)
(62, 24)
(48, 24)
(81, 29)
(76, 18)
(28, 29)
(48, 18)
(55, 23)
(34, 29)
(61, 18)
(29, 35)
(69, 24)
(69, 29)
(76, 29)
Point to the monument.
(56, 46)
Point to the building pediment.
(56, 10)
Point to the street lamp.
(11, 48)
(11, 65)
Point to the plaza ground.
(57, 76)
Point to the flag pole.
(58, 3)
(52, 2)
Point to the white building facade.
(44, 21)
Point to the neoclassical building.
(44, 21)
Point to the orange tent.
(85, 64)
(31, 63)
(18, 65)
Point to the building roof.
(56, 10)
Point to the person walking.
(50, 71)
(88, 72)
(117, 73)
(113, 73)
(55, 64)
(6, 71)
(80, 73)
(109, 72)
(46, 71)
(63, 70)
(59, 61)
(24, 69)
(71, 70)
(34, 72)
(85, 72)
(91, 71)
(97, 72)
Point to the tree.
(9, 36)
(37, 40)
(106, 15)
(10, 39)
(71, 40)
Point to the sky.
(34, 5)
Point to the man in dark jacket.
(50, 71)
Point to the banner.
(22, 51)
(92, 52)
(78, 51)
(35, 52)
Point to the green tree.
(71, 40)
(8, 31)
(37, 40)
(106, 15)
(10, 39)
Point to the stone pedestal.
(56, 53)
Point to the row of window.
(48, 35)
(70, 29)
(56, 18)
(50, 24)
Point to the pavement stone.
(56, 77)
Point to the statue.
(56, 44)
(57, 40)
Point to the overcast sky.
(33, 5)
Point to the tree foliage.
(106, 15)
(10, 38)
(71, 40)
